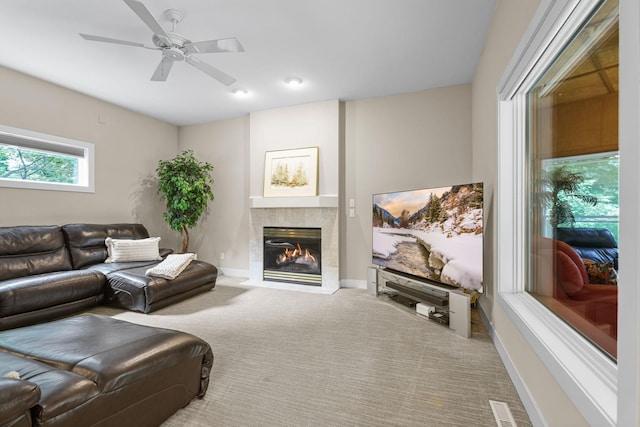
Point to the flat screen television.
(431, 234)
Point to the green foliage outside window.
(30, 165)
(600, 180)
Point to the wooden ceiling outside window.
(583, 85)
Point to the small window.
(37, 161)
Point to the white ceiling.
(342, 49)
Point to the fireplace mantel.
(326, 201)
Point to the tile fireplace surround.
(268, 214)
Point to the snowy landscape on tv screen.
(432, 233)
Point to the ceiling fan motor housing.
(173, 53)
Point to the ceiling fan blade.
(211, 46)
(162, 71)
(146, 16)
(116, 41)
(223, 78)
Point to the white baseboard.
(233, 272)
(350, 283)
(533, 411)
(345, 283)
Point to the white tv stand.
(452, 305)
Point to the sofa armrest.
(17, 397)
(165, 251)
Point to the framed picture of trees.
(291, 173)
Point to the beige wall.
(127, 148)
(309, 125)
(395, 143)
(510, 20)
(224, 144)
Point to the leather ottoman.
(96, 370)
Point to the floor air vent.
(502, 414)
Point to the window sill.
(585, 373)
(50, 186)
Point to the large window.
(559, 109)
(38, 161)
(573, 182)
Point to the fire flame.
(293, 255)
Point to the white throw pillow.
(125, 250)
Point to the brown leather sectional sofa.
(52, 271)
(91, 370)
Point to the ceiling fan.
(174, 46)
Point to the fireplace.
(292, 255)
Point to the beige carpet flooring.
(288, 358)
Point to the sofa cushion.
(601, 273)
(586, 237)
(568, 274)
(31, 250)
(132, 289)
(60, 391)
(23, 295)
(564, 248)
(597, 244)
(108, 268)
(86, 241)
(17, 397)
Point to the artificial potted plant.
(185, 184)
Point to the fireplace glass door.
(292, 255)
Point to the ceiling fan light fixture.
(174, 54)
(293, 82)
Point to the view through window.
(31, 165)
(39, 161)
(573, 182)
(600, 173)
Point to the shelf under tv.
(428, 295)
(452, 304)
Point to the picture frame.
(291, 173)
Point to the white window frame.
(55, 144)
(604, 393)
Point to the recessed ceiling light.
(293, 81)
(239, 92)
